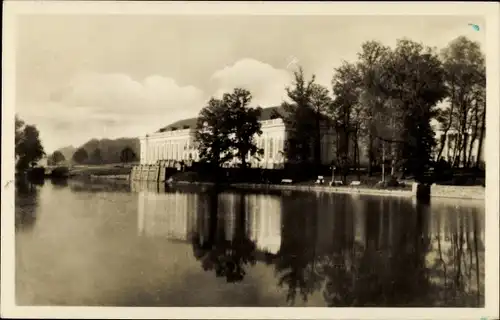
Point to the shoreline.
(436, 191)
(455, 193)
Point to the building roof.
(266, 114)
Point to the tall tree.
(80, 156)
(96, 156)
(370, 63)
(320, 104)
(57, 157)
(127, 155)
(244, 125)
(300, 119)
(465, 74)
(212, 135)
(346, 87)
(413, 79)
(29, 149)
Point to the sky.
(108, 76)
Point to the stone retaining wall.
(461, 192)
(350, 190)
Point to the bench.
(287, 181)
(320, 180)
(355, 183)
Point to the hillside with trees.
(104, 151)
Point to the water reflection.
(355, 252)
(227, 231)
(26, 198)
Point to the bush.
(391, 182)
(60, 172)
(36, 173)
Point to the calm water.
(81, 244)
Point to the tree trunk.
(244, 160)
(481, 139)
(471, 148)
(464, 149)
(456, 149)
(317, 142)
(383, 161)
(345, 155)
(474, 133)
(442, 144)
(449, 124)
(356, 154)
(370, 153)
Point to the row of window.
(272, 147)
(182, 150)
(171, 150)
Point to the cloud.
(120, 93)
(266, 83)
(98, 105)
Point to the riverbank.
(436, 191)
(367, 186)
(121, 172)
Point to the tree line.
(81, 156)
(98, 152)
(29, 150)
(381, 105)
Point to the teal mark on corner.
(475, 27)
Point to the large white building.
(177, 142)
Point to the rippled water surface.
(82, 244)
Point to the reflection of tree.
(227, 258)
(458, 264)
(388, 264)
(26, 197)
(296, 260)
(367, 274)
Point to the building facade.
(177, 142)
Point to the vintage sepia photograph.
(206, 155)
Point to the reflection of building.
(264, 221)
(167, 214)
(177, 215)
(177, 141)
